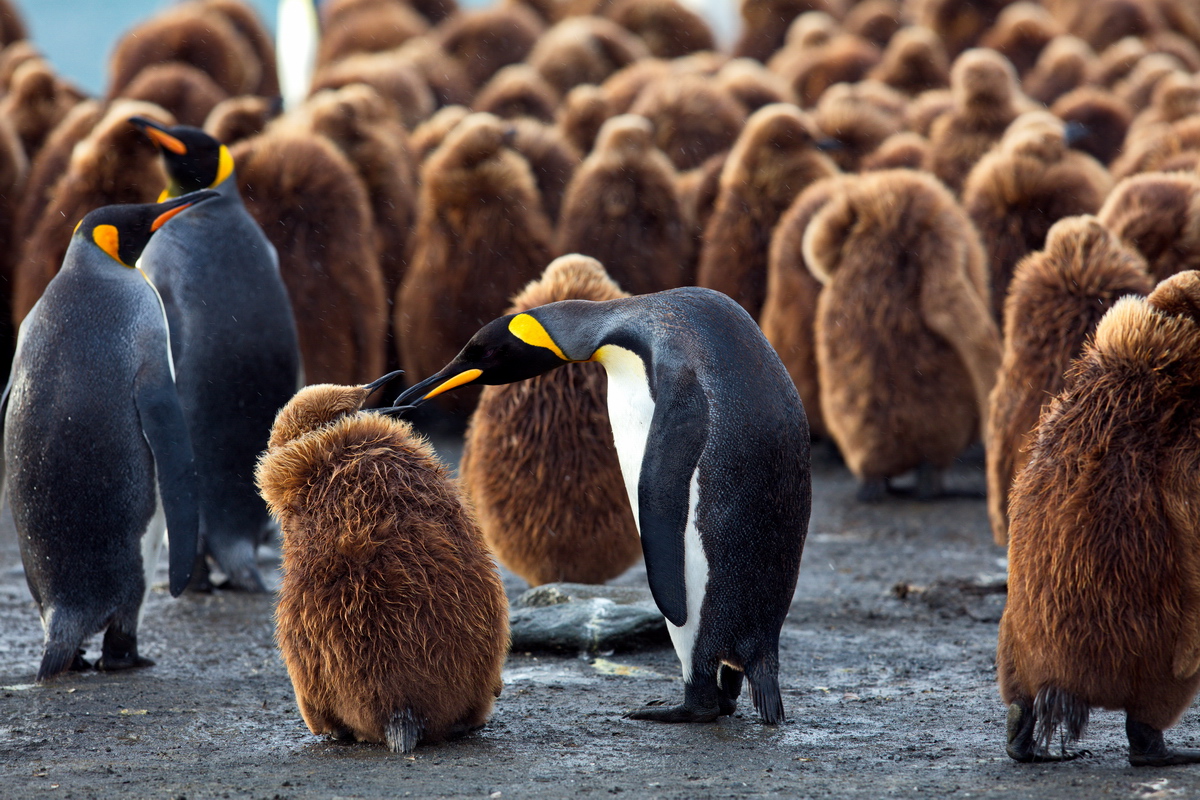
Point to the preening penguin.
(1103, 580)
(391, 618)
(94, 469)
(528, 440)
(713, 446)
(233, 339)
(1056, 298)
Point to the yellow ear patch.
(531, 332)
(108, 239)
(224, 167)
(455, 382)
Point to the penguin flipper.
(165, 430)
(678, 432)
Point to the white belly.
(695, 574)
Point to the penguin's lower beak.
(444, 381)
(378, 382)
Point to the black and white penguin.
(714, 449)
(81, 457)
(234, 341)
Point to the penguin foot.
(659, 711)
(1021, 745)
(342, 735)
(872, 490)
(79, 663)
(1147, 748)
(112, 664)
(728, 706)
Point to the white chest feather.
(630, 411)
(695, 576)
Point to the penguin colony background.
(953, 221)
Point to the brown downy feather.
(391, 619)
(394, 78)
(692, 119)
(1103, 579)
(623, 208)
(854, 125)
(581, 114)
(1138, 86)
(790, 310)
(1159, 216)
(582, 50)
(958, 23)
(913, 62)
(370, 28)
(1104, 119)
(773, 160)
(668, 28)
(623, 88)
(753, 85)
(314, 208)
(1100, 23)
(180, 88)
(1065, 64)
(698, 190)
(1029, 181)
(1116, 61)
(906, 349)
(115, 163)
(1175, 97)
(765, 24)
(904, 150)
(483, 41)
(445, 75)
(14, 167)
(877, 21)
(518, 90)
(481, 235)
(51, 161)
(538, 458)
(12, 26)
(811, 70)
(1056, 299)
(35, 103)
(242, 117)
(247, 22)
(551, 157)
(429, 135)
(1020, 34)
(13, 56)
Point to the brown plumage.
(623, 88)
(853, 124)
(790, 310)
(429, 135)
(1160, 148)
(37, 100)
(1175, 97)
(913, 62)
(538, 458)
(668, 27)
(51, 161)
(1057, 297)
(623, 208)
(765, 24)
(13, 170)
(906, 349)
(518, 90)
(698, 190)
(1179, 46)
(552, 159)
(811, 70)
(1064, 65)
(1159, 216)
(1020, 34)
(875, 20)
(753, 85)
(1029, 181)
(238, 118)
(445, 75)
(984, 88)
(1104, 119)
(1117, 60)
(926, 108)
(180, 88)
(369, 28)
(12, 26)
(391, 619)
(581, 114)
(584, 50)
(393, 77)
(1102, 22)
(772, 162)
(483, 41)
(1138, 86)
(692, 119)
(13, 56)
(481, 235)
(904, 150)
(115, 163)
(314, 208)
(1103, 581)
(247, 22)
(194, 34)
(958, 23)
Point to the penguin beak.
(444, 381)
(1074, 132)
(378, 382)
(829, 145)
(178, 205)
(158, 134)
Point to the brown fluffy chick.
(693, 119)
(904, 150)
(371, 28)
(518, 90)
(14, 168)
(986, 99)
(314, 208)
(1056, 299)
(37, 100)
(1104, 535)
(789, 312)
(429, 135)
(528, 441)
(774, 159)
(115, 163)
(623, 208)
(913, 62)
(12, 26)
(483, 41)
(1020, 34)
(1101, 120)
(446, 77)
(1103, 22)
(958, 23)
(246, 21)
(580, 116)
(877, 21)
(668, 28)
(1029, 181)
(906, 349)
(551, 157)
(392, 76)
(242, 117)
(180, 88)
(845, 58)
(752, 84)
(765, 24)
(854, 125)
(51, 161)
(1175, 97)
(1159, 216)
(1137, 88)
(391, 619)
(926, 108)
(481, 235)
(582, 50)
(1064, 65)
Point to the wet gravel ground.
(885, 695)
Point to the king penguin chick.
(774, 159)
(391, 618)
(623, 208)
(233, 340)
(1056, 298)
(94, 470)
(526, 439)
(1158, 214)
(1103, 588)
(714, 449)
(693, 119)
(765, 24)
(905, 298)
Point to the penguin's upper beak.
(378, 382)
(179, 204)
(159, 135)
(450, 378)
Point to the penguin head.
(513, 348)
(194, 159)
(123, 231)
(316, 406)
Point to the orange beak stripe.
(167, 141)
(166, 215)
(455, 382)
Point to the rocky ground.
(888, 679)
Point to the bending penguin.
(713, 445)
(234, 342)
(94, 468)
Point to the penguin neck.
(630, 412)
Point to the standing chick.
(391, 618)
(1158, 214)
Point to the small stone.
(574, 617)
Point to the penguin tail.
(1058, 710)
(763, 677)
(61, 651)
(403, 731)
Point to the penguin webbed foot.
(1147, 748)
(120, 652)
(659, 711)
(113, 664)
(1022, 746)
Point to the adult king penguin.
(234, 341)
(714, 449)
(94, 468)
